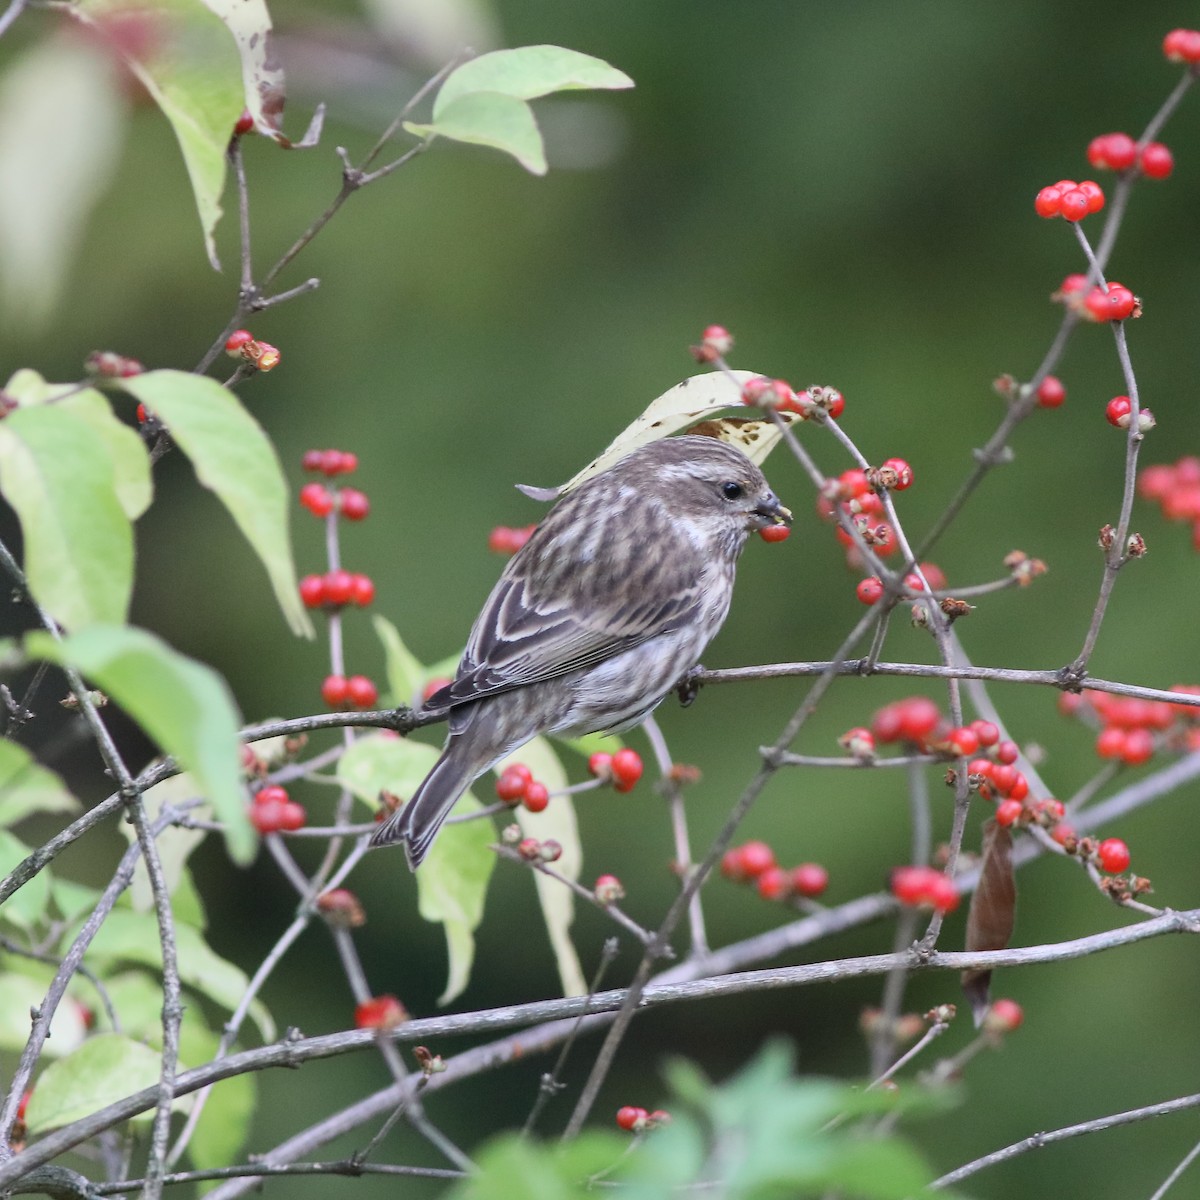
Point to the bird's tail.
(418, 822)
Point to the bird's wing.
(545, 619)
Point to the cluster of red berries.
(336, 589)
(1132, 729)
(870, 589)
(1176, 489)
(924, 887)
(1070, 200)
(1119, 412)
(622, 769)
(380, 1012)
(1096, 304)
(243, 345)
(755, 862)
(918, 721)
(274, 810)
(1182, 46)
(354, 691)
(766, 393)
(1119, 152)
(508, 539)
(517, 785)
(107, 364)
(638, 1120)
(852, 494)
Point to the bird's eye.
(731, 490)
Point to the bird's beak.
(775, 512)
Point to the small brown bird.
(598, 616)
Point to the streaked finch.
(598, 616)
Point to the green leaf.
(528, 72)
(19, 994)
(233, 456)
(405, 675)
(78, 543)
(27, 787)
(453, 880)
(27, 905)
(185, 57)
(132, 478)
(556, 821)
(183, 705)
(62, 120)
(490, 119)
(124, 446)
(99, 1073)
(132, 937)
(515, 1168)
(262, 74)
(72, 899)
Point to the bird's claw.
(688, 688)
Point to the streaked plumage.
(598, 616)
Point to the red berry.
(1008, 812)
(292, 817)
(335, 690)
(236, 340)
(964, 742)
(608, 889)
(331, 462)
(908, 884)
(1004, 1016)
(1113, 855)
(510, 787)
(1112, 151)
(769, 393)
(1046, 202)
(858, 742)
(506, 539)
(341, 908)
(775, 533)
(943, 893)
(244, 123)
(362, 590)
(1050, 392)
(600, 765)
(1007, 752)
(809, 879)
(339, 587)
(1138, 748)
(1094, 193)
(869, 590)
(627, 769)
(311, 460)
(1182, 46)
(317, 498)
(271, 794)
(1074, 205)
(536, 796)
(380, 1012)
(987, 733)
(756, 857)
(887, 723)
(312, 591)
(903, 471)
(1156, 161)
(632, 1119)
(919, 717)
(1019, 789)
(1004, 776)
(1062, 833)
(773, 884)
(1114, 305)
(1117, 411)
(835, 405)
(353, 504)
(361, 692)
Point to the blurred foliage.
(848, 188)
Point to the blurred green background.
(849, 189)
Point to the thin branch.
(1038, 1140)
